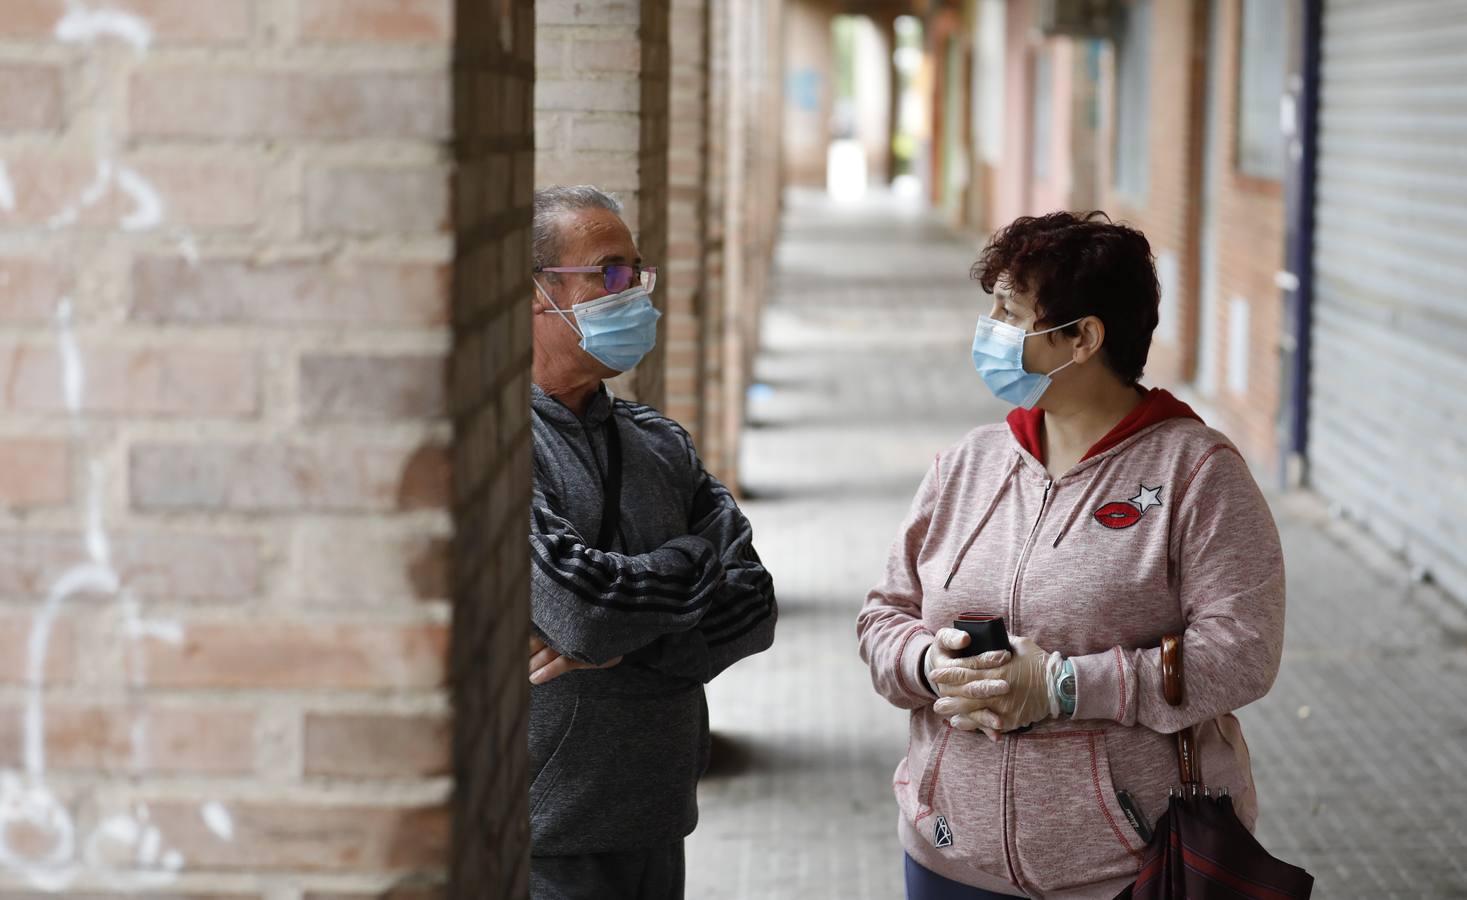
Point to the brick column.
(493, 113)
(601, 117)
(742, 202)
(727, 180)
(714, 443)
(226, 251)
(687, 216)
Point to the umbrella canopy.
(1200, 850)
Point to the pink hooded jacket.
(1160, 529)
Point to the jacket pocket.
(550, 771)
(622, 759)
(1068, 828)
(954, 798)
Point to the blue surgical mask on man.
(998, 355)
(617, 330)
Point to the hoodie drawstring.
(992, 505)
(1095, 478)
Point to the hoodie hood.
(1158, 405)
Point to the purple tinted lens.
(619, 278)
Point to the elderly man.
(644, 579)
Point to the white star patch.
(1148, 498)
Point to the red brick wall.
(1167, 211)
(1251, 252)
(236, 253)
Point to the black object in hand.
(985, 632)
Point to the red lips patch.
(1125, 513)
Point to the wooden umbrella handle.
(1174, 688)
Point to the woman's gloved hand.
(998, 698)
(968, 680)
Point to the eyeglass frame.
(647, 275)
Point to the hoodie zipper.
(1006, 783)
(1014, 626)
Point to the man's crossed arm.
(690, 608)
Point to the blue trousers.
(924, 884)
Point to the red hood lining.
(1027, 425)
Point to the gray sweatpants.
(654, 874)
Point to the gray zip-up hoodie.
(678, 592)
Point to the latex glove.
(1026, 694)
(546, 663)
(955, 698)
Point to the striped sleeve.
(594, 606)
(741, 618)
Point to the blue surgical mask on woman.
(998, 355)
(617, 330)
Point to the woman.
(1100, 517)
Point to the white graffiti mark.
(148, 206)
(31, 807)
(91, 195)
(84, 578)
(187, 246)
(86, 26)
(149, 847)
(157, 629)
(137, 742)
(129, 839)
(7, 190)
(38, 834)
(73, 373)
(218, 819)
(27, 805)
(81, 25)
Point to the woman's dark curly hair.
(1079, 265)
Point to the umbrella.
(1200, 850)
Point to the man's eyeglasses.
(616, 277)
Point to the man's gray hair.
(553, 202)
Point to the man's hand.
(546, 664)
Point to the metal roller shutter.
(1388, 405)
